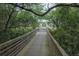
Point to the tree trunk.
(7, 22)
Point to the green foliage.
(66, 20)
(20, 22)
(5, 10)
(13, 33)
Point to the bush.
(67, 41)
(13, 33)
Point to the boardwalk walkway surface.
(38, 46)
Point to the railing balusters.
(14, 46)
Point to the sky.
(47, 6)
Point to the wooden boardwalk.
(36, 43)
(37, 46)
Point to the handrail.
(12, 47)
(60, 49)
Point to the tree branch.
(9, 17)
(58, 5)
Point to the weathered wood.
(12, 47)
(58, 49)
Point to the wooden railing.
(57, 49)
(14, 46)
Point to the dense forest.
(66, 22)
(17, 19)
